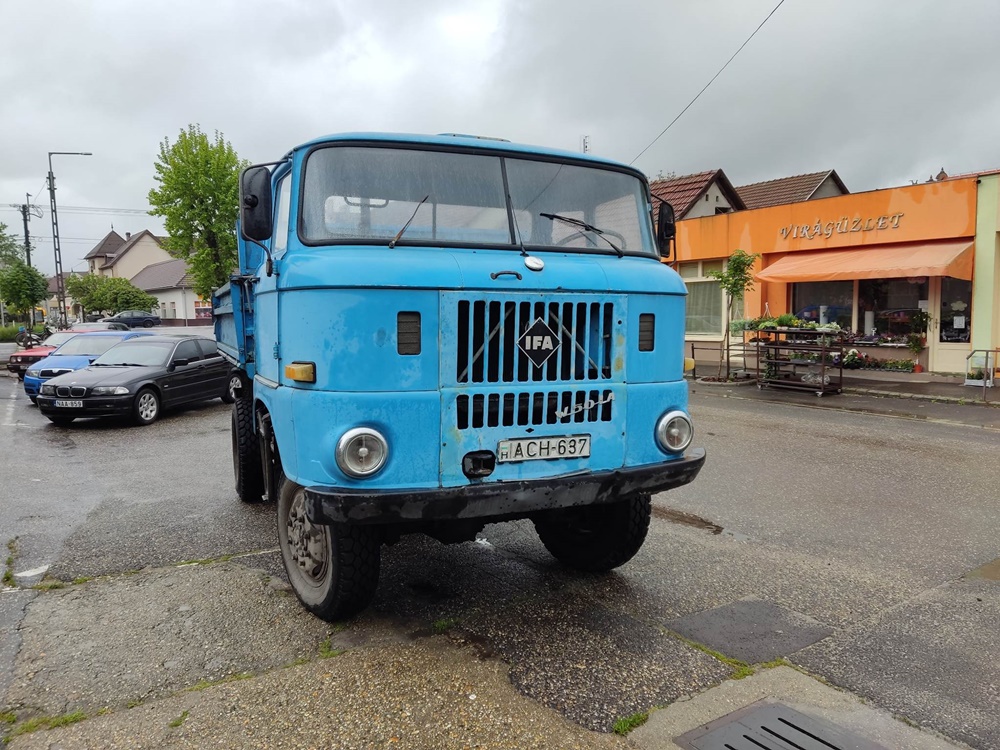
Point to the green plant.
(736, 280)
(626, 724)
(179, 720)
(443, 626)
(976, 374)
(787, 320)
(915, 343)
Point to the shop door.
(949, 332)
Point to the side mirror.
(666, 228)
(178, 363)
(255, 203)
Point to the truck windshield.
(367, 194)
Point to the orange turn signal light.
(303, 372)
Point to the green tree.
(198, 197)
(22, 288)
(122, 294)
(736, 280)
(111, 295)
(86, 291)
(11, 250)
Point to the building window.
(824, 302)
(892, 307)
(705, 312)
(202, 308)
(956, 310)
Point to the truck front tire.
(246, 454)
(333, 568)
(596, 538)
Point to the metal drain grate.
(772, 726)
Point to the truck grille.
(488, 333)
(534, 408)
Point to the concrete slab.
(751, 630)
(795, 689)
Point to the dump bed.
(232, 305)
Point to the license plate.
(543, 448)
(70, 404)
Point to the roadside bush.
(7, 333)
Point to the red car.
(22, 360)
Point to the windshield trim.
(502, 155)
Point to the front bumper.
(102, 406)
(498, 499)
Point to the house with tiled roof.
(794, 189)
(124, 257)
(695, 195)
(170, 282)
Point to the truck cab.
(432, 333)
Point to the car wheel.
(60, 421)
(20, 376)
(246, 454)
(146, 408)
(234, 388)
(596, 538)
(34, 399)
(147, 324)
(333, 568)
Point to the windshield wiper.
(394, 240)
(585, 226)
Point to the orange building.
(871, 262)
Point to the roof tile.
(784, 190)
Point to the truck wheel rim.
(147, 406)
(307, 542)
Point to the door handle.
(497, 274)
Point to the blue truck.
(432, 333)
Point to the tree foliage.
(198, 197)
(736, 280)
(11, 250)
(110, 295)
(22, 287)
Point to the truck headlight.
(31, 373)
(110, 390)
(674, 431)
(362, 452)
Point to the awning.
(882, 262)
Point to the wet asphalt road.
(854, 541)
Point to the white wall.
(706, 205)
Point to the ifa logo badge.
(539, 342)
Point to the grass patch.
(205, 684)
(81, 579)
(49, 585)
(47, 722)
(740, 668)
(444, 625)
(8, 570)
(626, 724)
(327, 652)
(204, 561)
(179, 720)
(104, 710)
(134, 703)
(8, 717)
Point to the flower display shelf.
(801, 359)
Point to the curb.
(921, 397)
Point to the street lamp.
(60, 283)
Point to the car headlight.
(110, 390)
(31, 373)
(362, 452)
(674, 431)
(48, 390)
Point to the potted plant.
(977, 377)
(915, 343)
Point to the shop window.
(956, 310)
(705, 301)
(892, 307)
(824, 302)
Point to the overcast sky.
(883, 91)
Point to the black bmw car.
(138, 379)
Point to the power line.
(780, 3)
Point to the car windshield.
(58, 339)
(357, 194)
(87, 346)
(136, 353)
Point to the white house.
(170, 283)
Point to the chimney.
(128, 236)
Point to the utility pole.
(60, 281)
(27, 210)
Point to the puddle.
(988, 572)
(685, 519)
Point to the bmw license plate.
(69, 404)
(543, 448)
